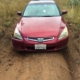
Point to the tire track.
(44, 66)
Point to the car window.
(41, 10)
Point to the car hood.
(40, 26)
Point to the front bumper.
(24, 45)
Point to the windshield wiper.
(27, 16)
(41, 16)
(48, 16)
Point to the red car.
(41, 27)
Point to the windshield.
(41, 10)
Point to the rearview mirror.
(19, 13)
(64, 12)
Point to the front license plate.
(40, 46)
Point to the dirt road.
(34, 66)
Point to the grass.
(73, 11)
(73, 15)
(8, 11)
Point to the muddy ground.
(58, 65)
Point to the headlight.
(64, 33)
(17, 34)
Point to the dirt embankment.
(59, 65)
(72, 53)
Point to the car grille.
(40, 39)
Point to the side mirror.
(19, 13)
(64, 12)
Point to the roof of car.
(42, 1)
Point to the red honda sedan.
(41, 27)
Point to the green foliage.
(73, 2)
